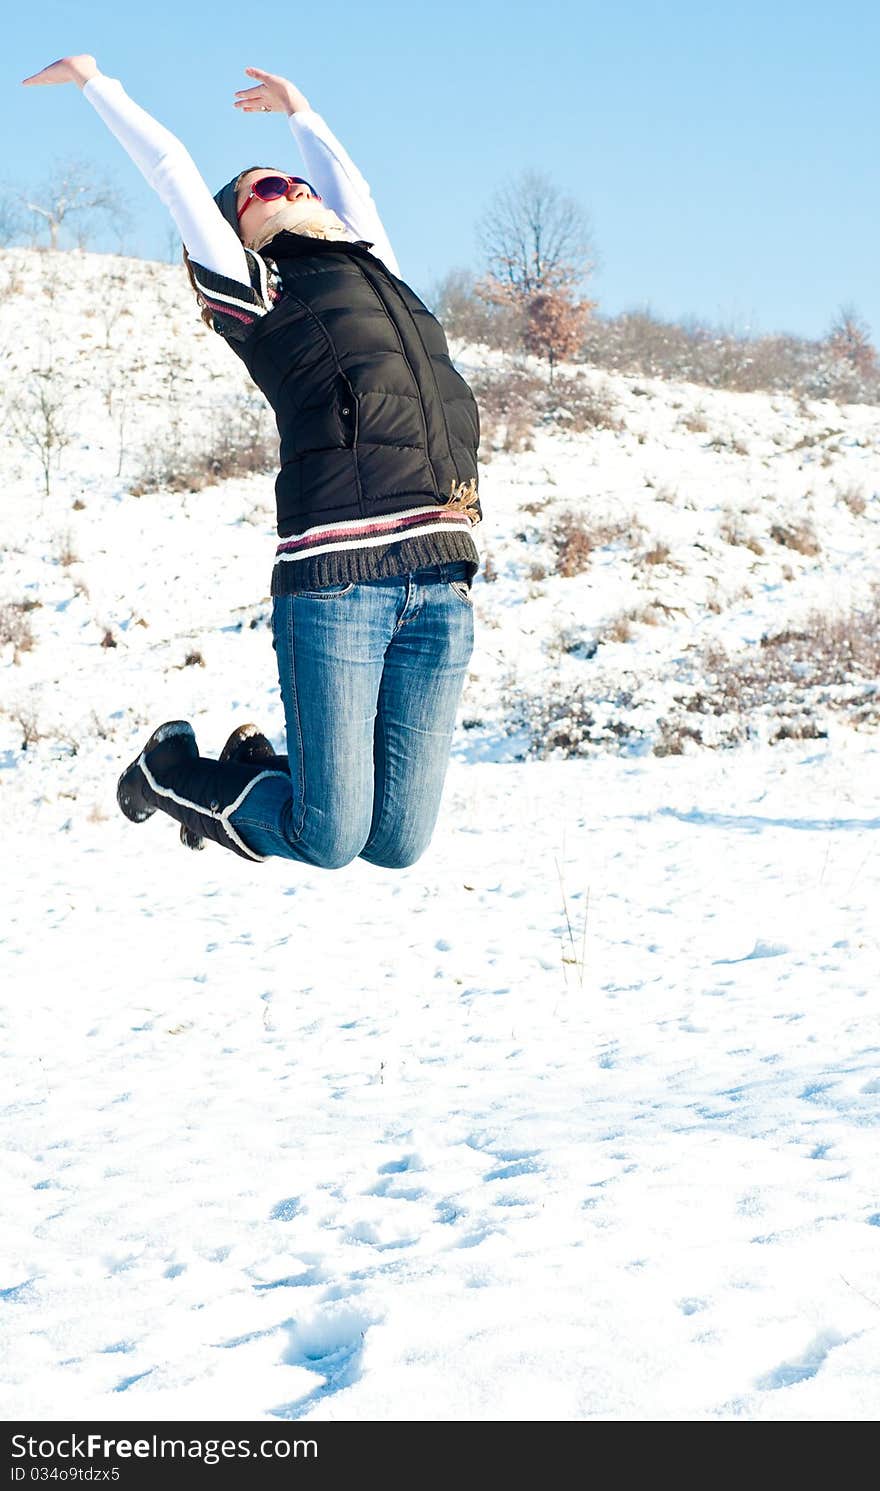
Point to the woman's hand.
(271, 95)
(66, 70)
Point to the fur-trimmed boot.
(169, 774)
(246, 743)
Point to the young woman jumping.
(376, 497)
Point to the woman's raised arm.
(329, 167)
(162, 160)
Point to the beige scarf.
(312, 219)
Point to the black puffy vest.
(373, 417)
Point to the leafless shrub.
(638, 342)
(571, 641)
(831, 648)
(508, 400)
(619, 629)
(804, 729)
(40, 413)
(673, 738)
(798, 536)
(468, 317)
(65, 553)
(193, 660)
(695, 421)
(854, 499)
(514, 400)
(831, 662)
(26, 719)
(659, 554)
(728, 442)
(561, 720)
(575, 535)
(811, 438)
(243, 442)
(787, 687)
(108, 639)
(12, 283)
(580, 407)
(839, 367)
(15, 628)
(490, 573)
(733, 531)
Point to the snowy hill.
(633, 570)
(573, 1119)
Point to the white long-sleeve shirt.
(172, 173)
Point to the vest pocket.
(347, 411)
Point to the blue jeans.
(371, 675)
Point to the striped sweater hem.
(368, 555)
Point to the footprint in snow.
(801, 1368)
(330, 1343)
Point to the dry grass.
(64, 550)
(854, 499)
(514, 400)
(660, 553)
(575, 536)
(733, 531)
(789, 686)
(831, 662)
(15, 628)
(562, 721)
(798, 536)
(242, 442)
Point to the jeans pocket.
(326, 593)
(462, 589)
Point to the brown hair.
(207, 314)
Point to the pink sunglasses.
(270, 188)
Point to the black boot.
(201, 794)
(167, 747)
(246, 743)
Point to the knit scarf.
(311, 219)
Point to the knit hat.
(225, 198)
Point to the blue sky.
(727, 156)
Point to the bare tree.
(71, 189)
(40, 416)
(535, 239)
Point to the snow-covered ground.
(577, 1118)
